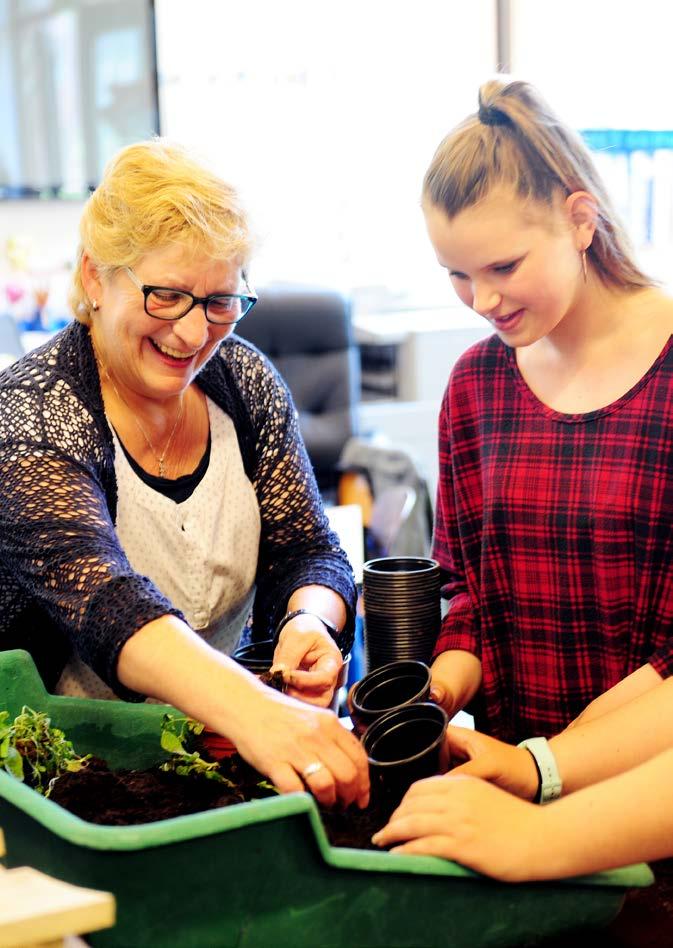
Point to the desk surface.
(393, 328)
(346, 521)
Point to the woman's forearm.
(279, 736)
(169, 661)
(616, 741)
(626, 819)
(320, 600)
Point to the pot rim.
(404, 711)
(372, 680)
(429, 565)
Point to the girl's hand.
(299, 748)
(511, 768)
(309, 659)
(456, 677)
(470, 821)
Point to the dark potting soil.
(130, 797)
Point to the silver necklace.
(159, 458)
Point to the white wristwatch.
(551, 784)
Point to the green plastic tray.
(263, 873)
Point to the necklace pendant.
(161, 467)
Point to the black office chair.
(307, 333)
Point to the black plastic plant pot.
(388, 688)
(257, 657)
(404, 746)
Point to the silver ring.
(311, 769)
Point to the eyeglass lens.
(171, 304)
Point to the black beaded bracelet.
(331, 628)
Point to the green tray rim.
(78, 832)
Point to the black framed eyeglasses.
(222, 309)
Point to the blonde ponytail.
(515, 140)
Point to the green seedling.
(32, 750)
(179, 736)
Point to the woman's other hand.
(309, 659)
(299, 748)
(510, 768)
(467, 820)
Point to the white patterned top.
(201, 553)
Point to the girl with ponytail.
(554, 522)
(555, 504)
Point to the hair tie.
(490, 115)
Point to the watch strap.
(331, 628)
(551, 784)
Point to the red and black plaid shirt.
(555, 535)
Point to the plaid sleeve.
(459, 626)
(662, 659)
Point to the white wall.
(50, 227)
(46, 233)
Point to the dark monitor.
(78, 81)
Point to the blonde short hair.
(154, 193)
(516, 141)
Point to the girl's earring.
(583, 255)
(94, 303)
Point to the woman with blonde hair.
(155, 489)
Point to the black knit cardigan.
(65, 582)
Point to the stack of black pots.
(402, 609)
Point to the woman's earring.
(583, 255)
(94, 303)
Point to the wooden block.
(35, 908)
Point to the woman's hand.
(470, 821)
(296, 746)
(299, 747)
(511, 768)
(309, 659)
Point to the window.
(326, 116)
(604, 66)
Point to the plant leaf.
(171, 743)
(13, 763)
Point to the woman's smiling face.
(518, 265)
(150, 357)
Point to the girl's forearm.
(456, 678)
(615, 742)
(626, 819)
(639, 682)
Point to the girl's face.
(516, 264)
(151, 357)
